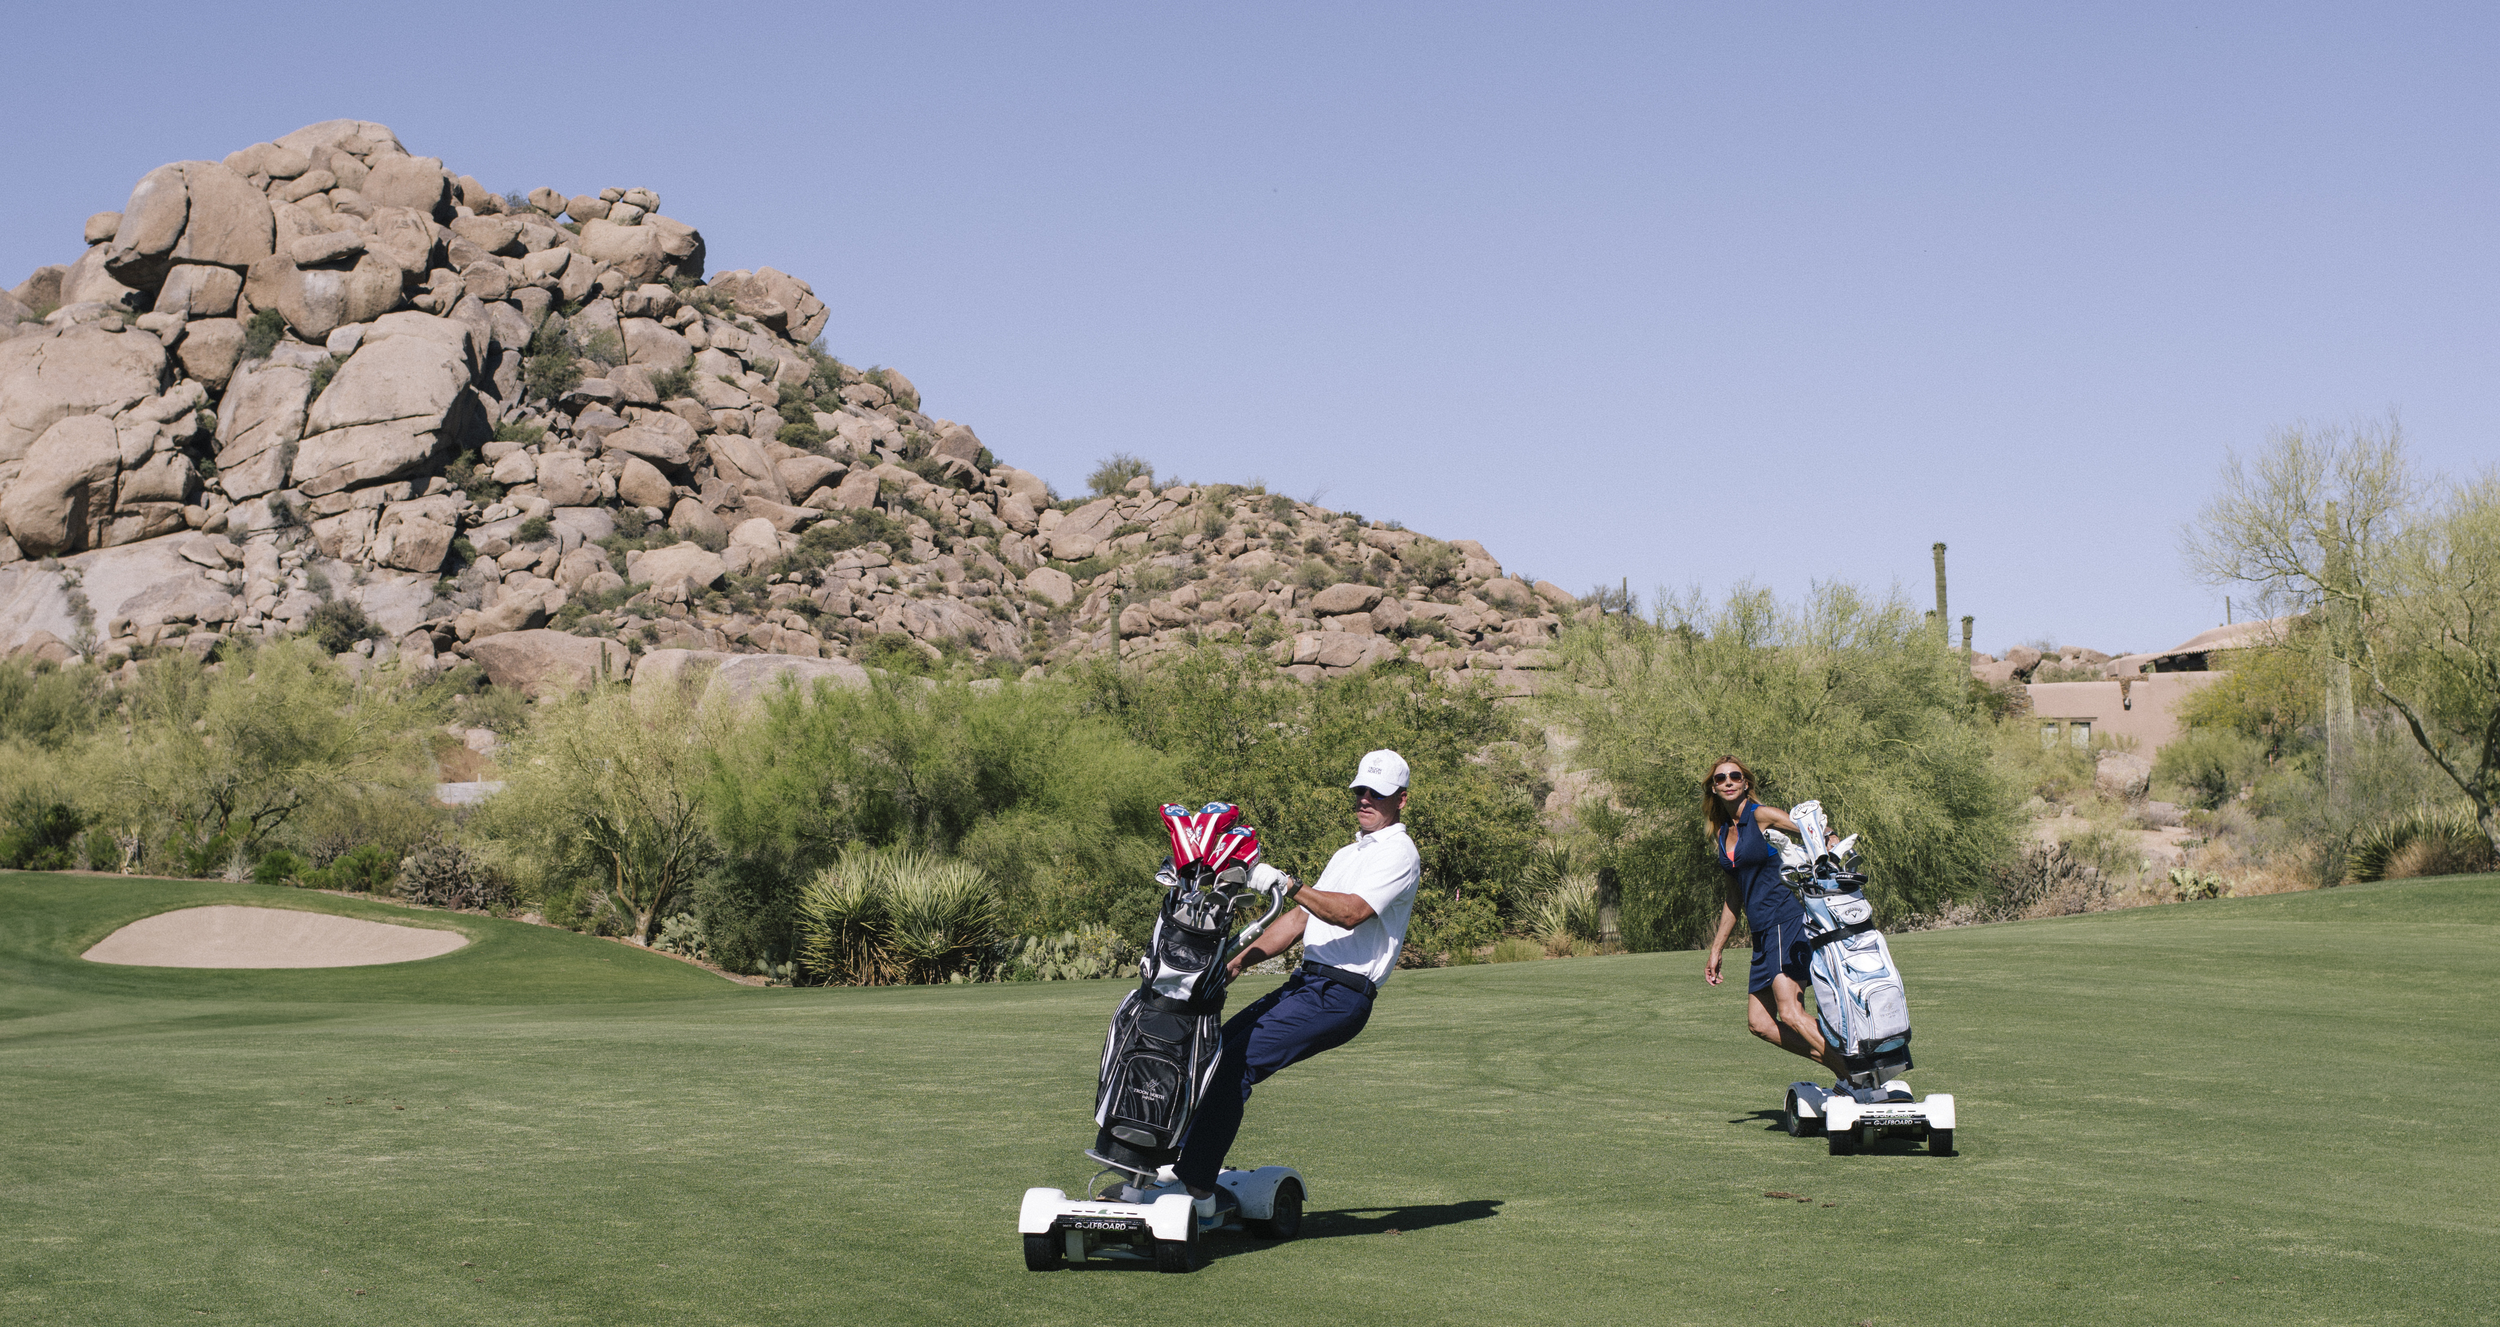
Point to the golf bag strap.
(1353, 981)
(1835, 937)
(1167, 1005)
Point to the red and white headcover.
(1212, 836)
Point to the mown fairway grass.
(2272, 1110)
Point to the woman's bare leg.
(1782, 1021)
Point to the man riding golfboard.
(1351, 925)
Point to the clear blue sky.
(1678, 295)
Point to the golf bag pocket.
(1156, 1064)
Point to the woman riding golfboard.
(1351, 925)
(1775, 1010)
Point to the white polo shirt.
(1381, 869)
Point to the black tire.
(1287, 1219)
(1843, 1141)
(1940, 1142)
(1796, 1122)
(1045, 1253)
(1178, 1255)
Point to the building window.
(2073, 732)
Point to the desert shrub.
(684, 934)
(48, 707)
(802, 434)
(1283, 751)
(216, 763)
(262, 334)
(674, 383)
(850, 530)
(2189, 886)
(2043, 878)
(880, 916)
(39, 834)
(473, 477)
(550, 365)
(1567, 913)
(1451, 922)
(1842, 698)
(279, 866)
(1088, 953)
(533, 530)
(605, 807)
(1516, 949)
(338, 624)
(893, 651)
(323, 372)
(521, 431)
(367, 868)
(442, 874)
(100, 850)
(1113, 473)
(2209, 766)
(2105, 848)
(1055, 806)
(2417, 843)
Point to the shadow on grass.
(1359, 1221)
(1774, 1120)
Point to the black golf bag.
(1168, 1035)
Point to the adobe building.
(2141, 697)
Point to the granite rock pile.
(326, 384)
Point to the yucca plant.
(1567, 913)
(883, 915)
(2419, 843)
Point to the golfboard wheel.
(1285, 1219)
(1178, 1255)
(1940, 1142)
(1044, 1253)
(1796, 1123)
(1842, 1141)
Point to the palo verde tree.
(2398, 577)
(1843, 698)
(609, 796)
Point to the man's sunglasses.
(1727, 778)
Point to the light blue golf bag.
(1857, 988)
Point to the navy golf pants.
(1286, 1026)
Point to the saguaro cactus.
(1944, 623)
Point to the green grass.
(2257, 1110)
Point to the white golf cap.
(1383, 772)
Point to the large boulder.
(396, 405)
(1335, 649)
(688, 564)
(199, 290)
(543, 662)
(1082, 531)
(741, 679)
(318, 301)
(1052, 584)
(60, 499)
(643, 485)
(189, 212)
(259, 423)
(662, 439)
(634, 251)
(651, 346)
(416, 183)
(741, 461)
(209, 350)
(1345, 598)
(84, 370)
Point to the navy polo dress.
(1777, 919)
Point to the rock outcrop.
(531, 432)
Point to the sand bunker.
(233, 937)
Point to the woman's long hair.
(1713, 808)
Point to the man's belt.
(1353, 981)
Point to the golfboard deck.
(1158, 1223)
(1850, 1125)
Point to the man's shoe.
(1217, 1208)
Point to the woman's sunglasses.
(1727, 778)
